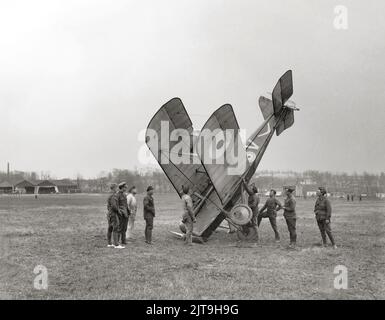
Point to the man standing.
(272, 205)
(132, 206)
(290, 216)
(253, 202)
(149, 214)
(188, 217)
(323, 212)
(113, 218)
(124, 211)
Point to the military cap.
(149, 188)
(322, 190)
(290, 190)
(122, 184)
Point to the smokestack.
(8, 170)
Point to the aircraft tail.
(278, 116)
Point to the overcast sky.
(80, 79)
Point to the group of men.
(322, 210)
(121, 213)
(122, 207)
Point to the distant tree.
(45, 175)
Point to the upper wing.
(222, 152)
(169, 136)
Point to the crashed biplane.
(214, 162)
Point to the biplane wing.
(188, 170)
(176, 156)
(222, 152)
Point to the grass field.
(66, 234)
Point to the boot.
(115, 238)
(123, 237)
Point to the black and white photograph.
(205, 151)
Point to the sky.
(80, 80)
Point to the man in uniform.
(149, 214)
(113, 218)
(323, 212)
(123, 211)
(253, 202)
(133, 207)
(188, 217)
(290, 216)
(269, 210)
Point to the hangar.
(6, 187)
(46, 186)
(25, 186)
(65, 186)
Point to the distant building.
(65, 186)
(6, 187)
(46, 186)
(308, 181)
(309, 190)
(25, 186)
(340, 195)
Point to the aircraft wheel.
(247, 233)
(241, 214)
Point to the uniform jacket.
(322, 208)
(112, 204)
(289, 211)
(272, 205)
(123, 205)
(148, 207)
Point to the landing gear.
(247, 233)
(241, 216)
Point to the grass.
(66, 234)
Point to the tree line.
(365, 182)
